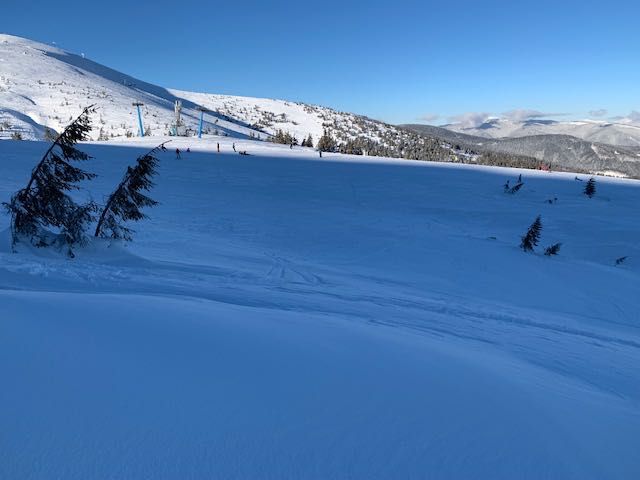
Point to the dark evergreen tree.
(531, 238)
(620, 260)
(125, 202)
(553, 249)
(44, 203)
(326, 143)
(590, 188)
(310, 141)
(284, 137)
(515, 188)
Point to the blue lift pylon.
(138, 105)
(201, 110)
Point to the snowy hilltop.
(44, 86)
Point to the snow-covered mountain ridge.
(44, 86)
(625, 132)
(564, 151)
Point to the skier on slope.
(188, 150)
(218, 147)
(178, 154)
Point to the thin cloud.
(522, 114)
(634, 116)
(470, 119)
(601, 112)
(429, 117)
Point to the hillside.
(560, 151)
(284, 316)
(44, 87)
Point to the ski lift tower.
(202, 111)
(138, 105)
(178, 128)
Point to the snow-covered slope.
(43, 86)
(624, 133)
(281, 316)
(299, 119)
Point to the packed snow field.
(285, 316)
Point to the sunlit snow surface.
(285, 316)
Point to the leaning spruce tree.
(125, 202)
(44, 203)
(590, 188)
(531, 238)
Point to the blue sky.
(396, 61)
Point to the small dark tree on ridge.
(531, 238)
(125, 202)
(590, 188)
(553, 249)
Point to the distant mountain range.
(558, 150)
(623, 133)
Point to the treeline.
(413, 146)
(287, 139)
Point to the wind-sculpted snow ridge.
(285, 316)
